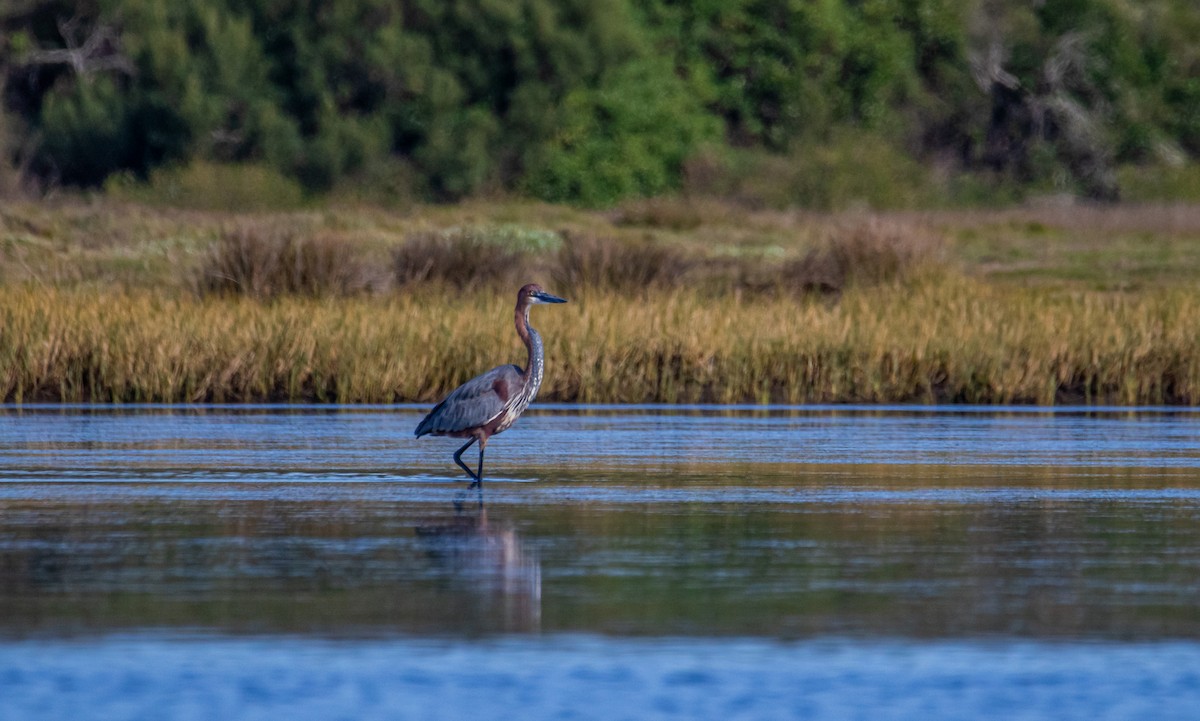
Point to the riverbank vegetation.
(671, 301)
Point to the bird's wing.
(474, 403)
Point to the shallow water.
(257, 561)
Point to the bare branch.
(1068, 58)
(987, 67)
(95, 51)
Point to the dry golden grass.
(672, 300)
(463, 258)
(266, 261)
(599, 261)
(865, 252)
(942, 339)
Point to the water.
(627, 562)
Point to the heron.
(490, 403)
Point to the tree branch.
(97, 51)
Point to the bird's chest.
(519, 402)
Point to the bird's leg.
(479, 474)
(459, 461)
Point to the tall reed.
(941, 339)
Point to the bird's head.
(533, 294)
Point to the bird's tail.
(425, 427)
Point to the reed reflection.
(487, 559)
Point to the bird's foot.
(460, 499)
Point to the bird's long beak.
(543, 297)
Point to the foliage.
(781, 72)
(851, 169)
(1162, 183)
(592, 102)
(629, 137)
(211, 186)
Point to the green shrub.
(86, 133)
(211, 186)
(820, 104)
(857, 169)
(628, 137)
(1161, 183)
(382, 181)
(851, 169)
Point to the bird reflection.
(490, 561)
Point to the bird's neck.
(532, 341)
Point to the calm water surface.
(622, 562)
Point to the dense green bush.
(628, 137)
(591, 101)
(211, 186)
(1177, 184)
(785, 72)
(849, 169)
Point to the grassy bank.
(671, 302)
(945, 340)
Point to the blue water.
(315, 562)
(150, 677)
(89, 442)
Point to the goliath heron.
(492, 402)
